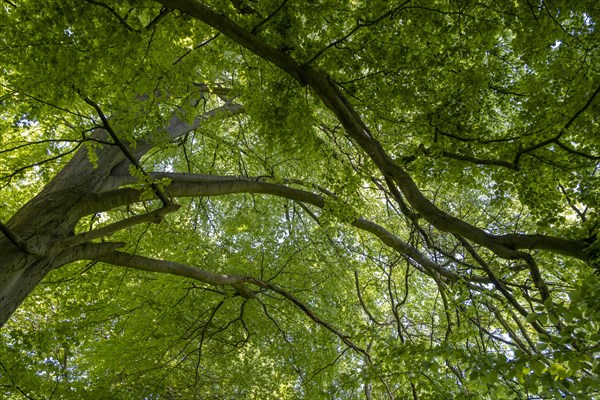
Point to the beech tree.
(284, 199)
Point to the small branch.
(556, 139)
(580, 111)
(15, 239)
(16, 92)
(163, 13)
(13, 381)
(203, 335)
(105, 125)
(515, 163)
(499, 285)
(38, 163)
(576, 152)
(78, 142)
(362, 302)
(115, 14)
(236, 281)
(155, 216)
(573, 207)
(360, 24)
(329, 365)
(508, 329)
(490, 334)
(412, 254)
(268, 18)
(522, 328)
(473, 160)
(197, 47)
(536, 276)
(481, 161)
(311, 214)
(345, 338)
(477, 140)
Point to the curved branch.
(237, 282)
(238, 34)
(411, 252)
(362, 302)
(472, 160)
(125, 149)
(329, 93)
(257, 27)
(161, 15)
(290, 297)
(480, 161)
(114, 13)
(556, 139)
(155, 216)
(196, 48)
(198, 185)
(359, 25)
(174, 268)
(576, 152)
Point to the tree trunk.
(51, 216)
(44, 221)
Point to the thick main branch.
(505, 246)
(198, 185)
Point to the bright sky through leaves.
(282, 199)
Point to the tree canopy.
(299, 199)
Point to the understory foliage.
(368, 199)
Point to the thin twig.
(197, 47)
(345, 338)
(115, 14)
(360, 24)
(268, 18)
(163, 13)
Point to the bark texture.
(46, 223)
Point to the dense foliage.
(299, 199)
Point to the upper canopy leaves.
(371, 197)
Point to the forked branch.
(237, 282)
(505, 246)
(107, 127)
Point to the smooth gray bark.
(48, 220)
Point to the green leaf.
(330, 199)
